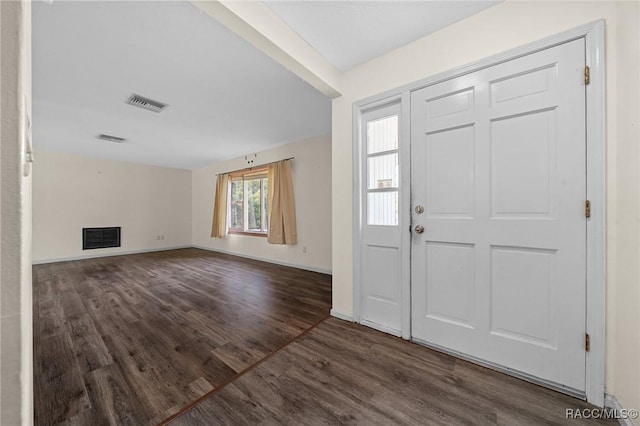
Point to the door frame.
(593, 34)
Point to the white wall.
(502, 27)
(71, 192)
(16, 353)
(623, 280)
(312, 187)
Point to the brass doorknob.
(419, 229)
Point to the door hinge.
(587, 209)
(587, 342)
(586, 75)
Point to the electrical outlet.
(162, 237)
(304, 249)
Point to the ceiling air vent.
(146, 103)
(110, 138)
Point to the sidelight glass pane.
(237, 202)
(383, 171)
(382, 208)
(382, 134)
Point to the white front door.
(498, 162)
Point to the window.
(382, 171)
(248, 206)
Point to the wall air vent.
(95, 238)
(146, 103)
(110, 138)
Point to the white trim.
(264, 259)
(341, 315)
(596, 225)
(100, 255)
(593, 33)
(405, 213)
(357, 209)
(610, 401)
(153, 250)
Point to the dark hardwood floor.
(190, 337)
(342, 373)
(133, 339)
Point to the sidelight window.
(382, 171)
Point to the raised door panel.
(498, 160)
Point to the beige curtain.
(282, 209)
(219, 226)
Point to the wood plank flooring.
(133, 339)
(189, 337)
(345, 374)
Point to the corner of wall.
(191, 209)
(16, 353)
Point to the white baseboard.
(93, 255)
(341, 315)
(263, 259)
(150, 250)
(610, 401)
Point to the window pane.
(382, 135)
(265, 204)
(254, 205)
(237, 201)
(383, 171)
(382, 208)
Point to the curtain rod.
(253, 167)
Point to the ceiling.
(348, 33)
(226, 99)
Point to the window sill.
(248, 233)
